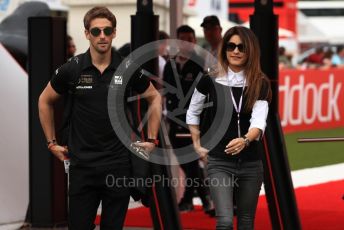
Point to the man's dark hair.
(185, 29)
(211, 20)
(281, 50)
(69, 38)
(99, 12)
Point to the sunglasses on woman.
(95, 31)
(232, 46)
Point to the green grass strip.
(308, 155)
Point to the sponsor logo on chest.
(86, 81)
(189, 77)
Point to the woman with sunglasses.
(234, 163)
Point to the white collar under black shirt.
(232, 79)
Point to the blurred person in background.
(163, 53)
(212, 33)
(71, 48)
(283, 59)
(163, 58)
(188, 65)
(327, 60)
(315, 60)
(124, 50)
(338, 57)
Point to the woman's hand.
(235, 146)
(202, 152)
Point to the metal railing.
(320, 139)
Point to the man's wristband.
(53, 141)
(154, 141)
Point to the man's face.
(187, 37)
(100, 42)
(212, 34)
(71, 48)
(341, 53)
(163, 44)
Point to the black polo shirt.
(92, 140)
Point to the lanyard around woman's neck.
(238, 107)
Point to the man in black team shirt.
(188, 65)
(94, 148)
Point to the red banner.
(311, 99)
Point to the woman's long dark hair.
(255, 78)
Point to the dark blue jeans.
(242, 178)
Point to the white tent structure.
(307, 31)
(282, 33)
(322, 22)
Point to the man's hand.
(147, 146)
(59, 151)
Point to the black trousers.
(90, 186)
(194, 180)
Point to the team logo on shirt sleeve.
(118, 80)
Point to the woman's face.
(235, 53)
